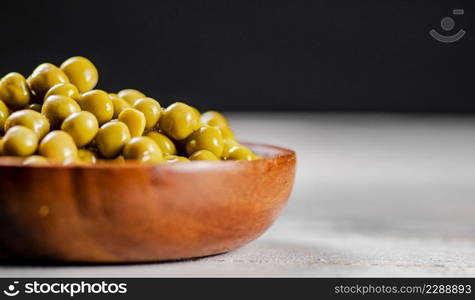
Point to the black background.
(328, 55)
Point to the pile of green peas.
(56, 116)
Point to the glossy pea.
(227, 133)
(87, 156)
(44, 77)
(4, 113)
(63, 89)
(118, 160)
(99, 104)
(228, 144)
(178, 121)
(171, 159)
(139, 147)
(119, 104)
(30, 119)
(81, 72)
(14, 90)
(197, 112)
(134, 119)
(130, 95)
(205, 138)
(166, 145)
(214, 118)
(81, 126)
(151, 159)
(57, 108)
(203, 155)
(151, 110)
(111, 138)
(35, 160)
(240, 152)
(58, 146)
(20, 141)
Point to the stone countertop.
(375, 195)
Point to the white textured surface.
(376, 195)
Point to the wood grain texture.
(134, 213)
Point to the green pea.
(20, 141)
(82, 126)
(57, 108)
(203, 155)
(166, 145)
(111, 138)
(206, 138)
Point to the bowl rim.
(280, 153)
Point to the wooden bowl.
(112, 213)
